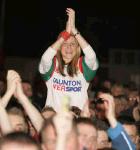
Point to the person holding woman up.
(66, 72)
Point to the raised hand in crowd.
(12, 79)
(30, 109)
(70, 26)
(67, 138)
(14, 87)
(109, 109)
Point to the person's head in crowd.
(121, 104)
(48, 112)
(107, 83)
(100, 124)
(72, 44)
(126, 89)
(117, 89)
(27, 88)
(18, 119)
(49, 136)
(133, 95)
(136, 113)
(138, 127)
(129, 86)
(87, 133)
(103, 140)
(131, 128)
(18, 141)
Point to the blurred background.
(28, 27)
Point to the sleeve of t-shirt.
(47, 60)
(90, 63)
(120, 139)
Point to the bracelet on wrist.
(65, 35)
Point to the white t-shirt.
(73, 87)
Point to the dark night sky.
(31, 25)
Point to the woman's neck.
(67, 61)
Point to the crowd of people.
(74, 115)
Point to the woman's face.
(69, 49)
